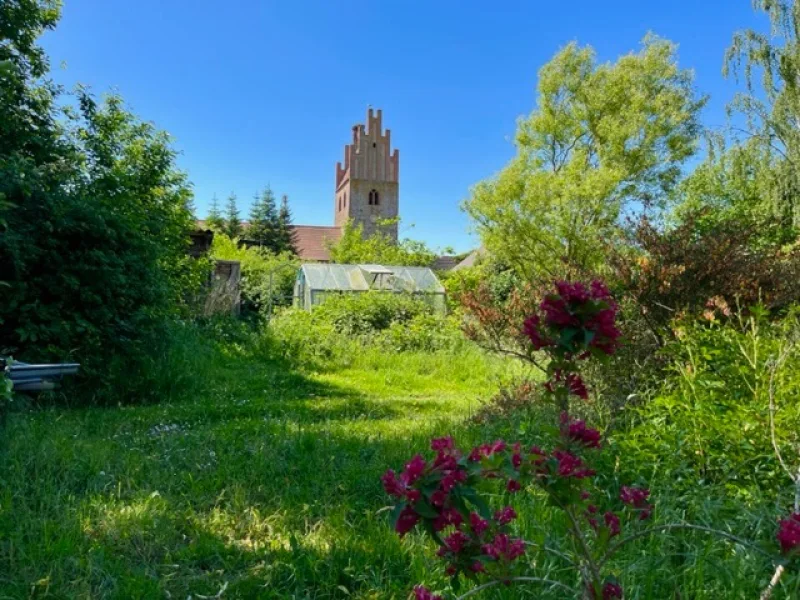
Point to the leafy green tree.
(353, 248)
(263, 227)
(733, 183)
(257, 265)
(604, 139)
(771, 105)
(94, 247)
(233, 223)
(215, 220)
(287, 238)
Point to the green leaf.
(424, 509)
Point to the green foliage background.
(93, 246)
(354, 248)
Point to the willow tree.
(603, 138)
(769, 63)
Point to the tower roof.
(369, 156)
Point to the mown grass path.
(267, 483)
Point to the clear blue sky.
(263, 91)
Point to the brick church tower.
(367, 187)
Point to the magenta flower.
(637, 498)
(612, 522)
(406, 521)
(513, 486)
(486, 450)
(413, 471)
(443, 444)
(478, 525)
(611, 590)
(455, 542)
(789, 533)
(584, 435)
(449, 516)
(531, 328)
(505, 515)
(445, 462)
(438, 498)
(570, 465)
(448, 482)
(423, 593)
(634, 496)
(392, 485)
(576, 386)
(556, 312)
(503, 548)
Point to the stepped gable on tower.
(367, 185)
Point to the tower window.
(374, 199)
(345, 199)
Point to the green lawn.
(267, 483)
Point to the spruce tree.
(287, 238)
(264, 220)
(233, 224)
(214, 221)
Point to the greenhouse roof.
(362, 278)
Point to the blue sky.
(262, 91)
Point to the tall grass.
(263, 480)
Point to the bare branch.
(671, 526)
(776, 577)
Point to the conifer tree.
(264, 220)
(233, 224)
(214, 221)
(286, 235)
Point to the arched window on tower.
(345, 199)
(374, 199)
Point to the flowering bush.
(446, 495)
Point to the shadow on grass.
(268, 480)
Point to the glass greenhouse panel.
(316, 281)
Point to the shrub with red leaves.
(703, 265)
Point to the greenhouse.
(317, 281)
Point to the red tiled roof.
(444, 263)
(312, 241)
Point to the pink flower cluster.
(574, 323)
(423, 593)
(445, 472)
(577, 431)
(467, 548)
(568, 465)
(589, 313)
(611, 521)
(572, 382)
(637, 498)
(789, 534)
(504, 548)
